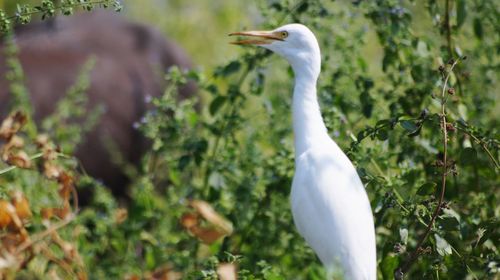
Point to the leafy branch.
(481, 140)
(48, 9)
(399, 273)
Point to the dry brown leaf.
(22, 206)
(47, 213)
(14, 142)
(60, 212)
(209, 214)
(82, 275)
(227, 271)
(206, 235)
(132, 277)
(12, 124)
(66, 185)
(164, 272)
(20, 159)
(121, 214)
(50, 170)
(189, 220)
(5, 218)
(10, 241)
(64, 211)
(42, 140)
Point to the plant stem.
(35, 156)
(414, 256)
(60, 7)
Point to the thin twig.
(74, 5)
(40, 236)
(35, 156)
(12, 167)
(482, 144)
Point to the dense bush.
(407, 88)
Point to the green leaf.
(461, 12)
(478, 28)
(409, 126)
(229, 69)
(388, 265)
(442, 246)
(450, 219)
(468, 156)
(303, 7)
(216, 104)
(183, 162)
(416, 131)
(216, 180)
(382, 134)
(383, 122)
(449, 224)
(427, 189)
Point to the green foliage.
(24, 12)
(389, 97)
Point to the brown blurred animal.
(130, 60)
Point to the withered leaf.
(12, 124)
(188, 220)
(5, 218)
(227, 271)
(50, 170)
(66, 184)
(42, 140)
(121, 215)
(207, 235)
(165, 272)
(208, 213)
(19, 159)
(22, 206)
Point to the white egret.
(329, 203)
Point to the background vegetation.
(408, 89)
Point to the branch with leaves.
(445, 126)
(48, 8)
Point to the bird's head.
(295, 42)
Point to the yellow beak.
(261, 37)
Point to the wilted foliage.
(35, 240)
(211, 197)
(50, 8)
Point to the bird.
(330, 206)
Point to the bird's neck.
(309, 128)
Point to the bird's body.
(330, 206)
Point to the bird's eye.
(284, 34)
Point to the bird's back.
(332, 212)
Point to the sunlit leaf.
(409, 126)
(216, 104)
(442, 246)
(461, 12)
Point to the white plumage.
(329, 203)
